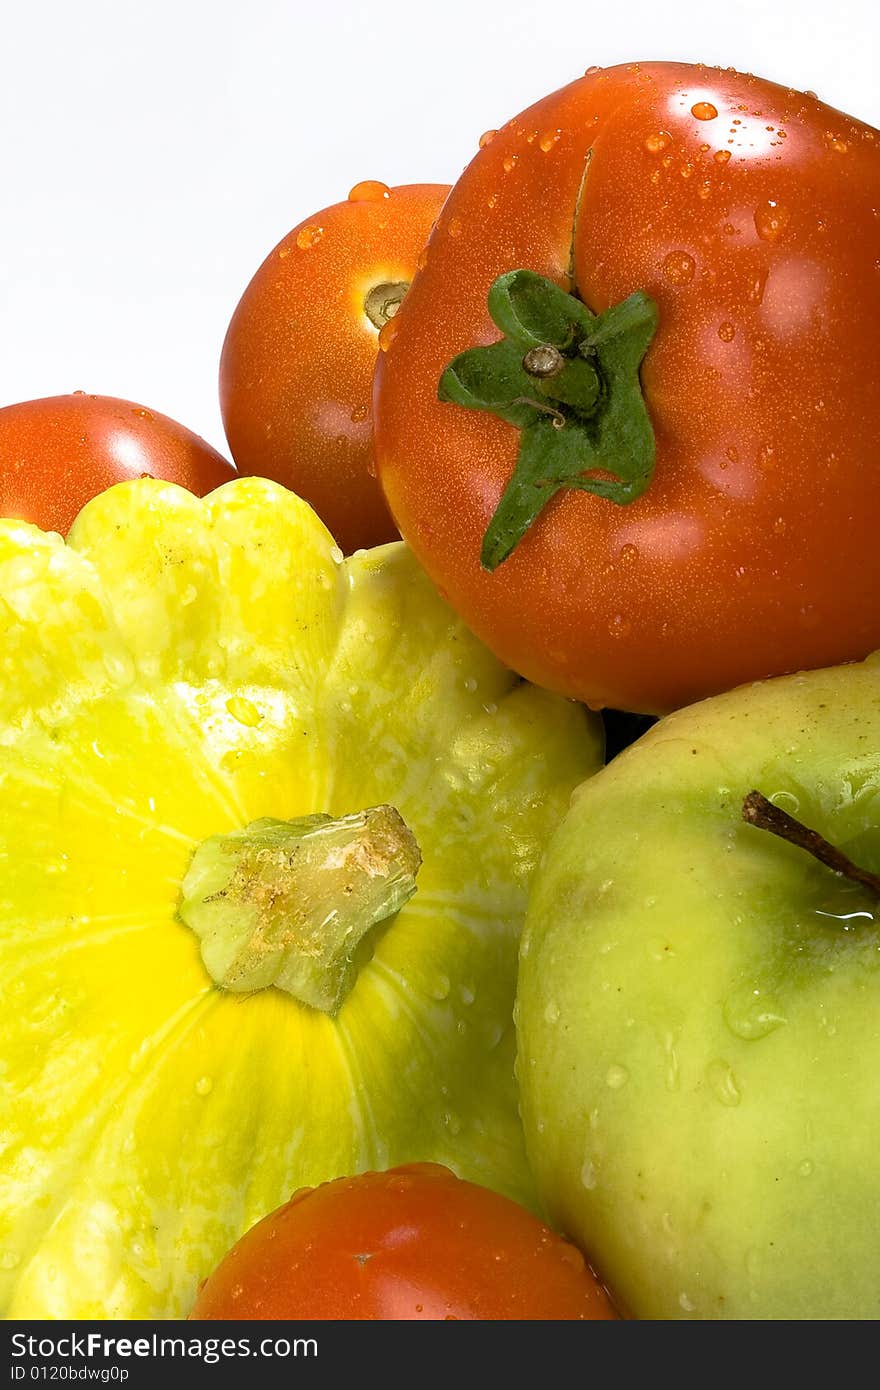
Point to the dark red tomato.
(413, 1243)
(748, 214)
(57, 453)
(297, 368)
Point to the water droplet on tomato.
(486, 138)
(548, 140)
(722, 156)
(755, 292)
(422, 258)
(369, 191)
(387, 334)
(704, 111)
(771, 220)
(726, 332)
(592, 70)
(679, 267)
(835, 143)
(510, 162)
(454, 227)
(628, 553)
(144, 414)
(307, 237)
(658, 142)
(619, 626)
(616, 1076)
(359, 413)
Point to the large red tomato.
(415, 1242)
(297, 366)
(57, 453)
(728, 527)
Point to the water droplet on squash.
(704, 111)
(307, 237)
(244, 711)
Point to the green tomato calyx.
(759, 811)
(294, 903)
(568, 380)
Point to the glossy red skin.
(754, 550)
(413, 1243)
(297, 366)
(59, 452)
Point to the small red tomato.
(57, 453)
(413, 1243)
(297, 366)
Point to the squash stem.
(294, 903)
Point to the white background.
(151, 154)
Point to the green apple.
(699, 1012)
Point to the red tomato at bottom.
(413, 1243)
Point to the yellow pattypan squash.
(267, 822)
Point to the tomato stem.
(292, 903)
(757, 810)
(568, 380)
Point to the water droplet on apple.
(589, 1176)
(750, 1013)
(439, 987)
(786, 801)
(723, 1082)
(672, 1075)
(686, 1303)
(805, 1168)
(616, 1076)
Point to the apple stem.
(757, 810)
